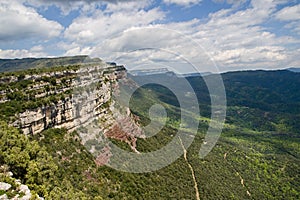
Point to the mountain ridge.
(10, 65)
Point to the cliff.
(72, 97)
(69, 112)
(11, 65)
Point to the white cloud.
(238, 39)
(79, 51)
(66, 6)
(235, 38)
(129, 6)
(182, 2)
(34, 52)
(294, 26)
(101, 26)
(234, 2)
(289, 13)
(21, 22)
(251, 55)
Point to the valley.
(256, 157)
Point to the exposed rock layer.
(91, 95)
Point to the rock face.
(85, 98)
(17, 190)
(91, 95)
(56, 115)
(4, 186)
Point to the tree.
(28, 161)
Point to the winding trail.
(239, 175)
(192, 170)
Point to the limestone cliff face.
(81, 97)
(35, 121)
(91, 96)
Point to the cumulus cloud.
(67, 6)
(238, 38)
(36, 51)
(135, 33)
(101, 25)
(234, 2)
(233, 38)
(182, 2)
(248, 56)
(289, 13)
(128, 6)
(156, 45)
(21, 22)
(73, 1)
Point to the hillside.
(9, 65)
(260, 139)
(257, 156)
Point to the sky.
(183, 35)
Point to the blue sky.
(209, 35)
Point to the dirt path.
(236, 171)
(192, 170)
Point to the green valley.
(256, 157)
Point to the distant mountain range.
(148, 72)
(10, 65)
(294, 69)
(145, 72)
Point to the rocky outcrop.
(80, 98)
(91, 95)
(55, 115)
(15, 189)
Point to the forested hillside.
(257, 156)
